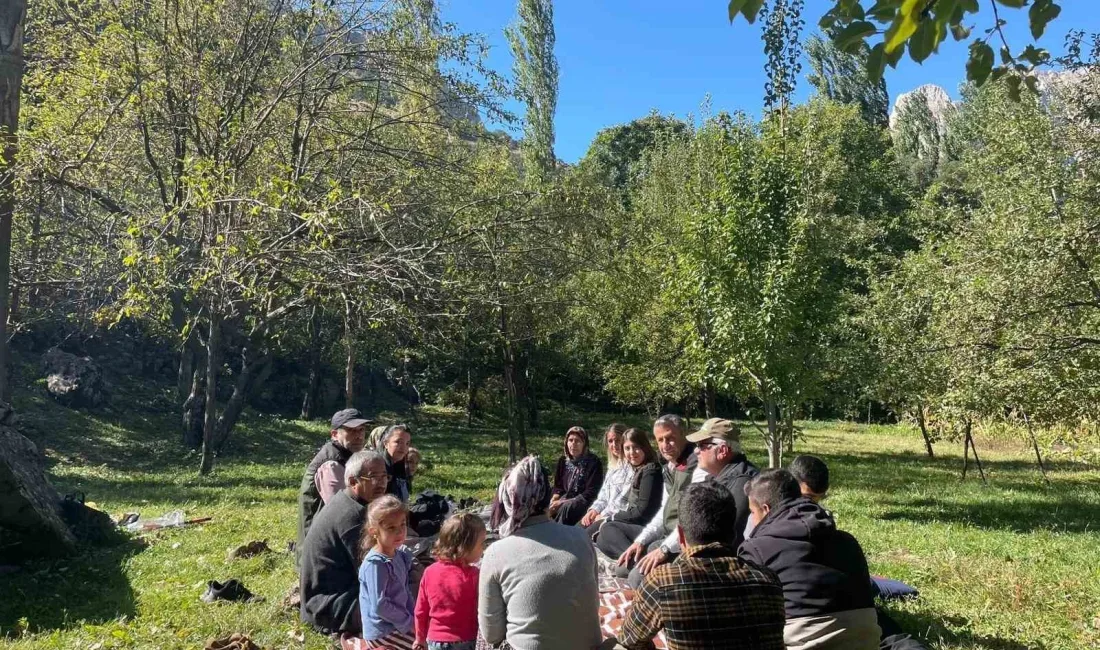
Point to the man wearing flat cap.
(718, 448)
(324, 475)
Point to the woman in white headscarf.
(538, 587)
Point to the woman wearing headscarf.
(394, 447)
(577, 479)
(538, 587)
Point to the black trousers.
(572, 512)
(615, 537)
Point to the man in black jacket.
(718, 447)
(826, 584)
(330, 553)
(324, 476)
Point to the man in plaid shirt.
(707, 599)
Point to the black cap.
(349, 419)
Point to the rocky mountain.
(936, 98)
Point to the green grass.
(1012, 565)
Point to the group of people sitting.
(720, 555)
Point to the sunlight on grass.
(1009, 566)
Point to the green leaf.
(1014, 88)
(849, 38)
(980, 63)
(735, 8)
(960, 32)
(925, 40)
(1036, 56)
(1015, 4)
(1040, 15)
(883, 10)
(750, 9)
(905, 24)
(876, 62)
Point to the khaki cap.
(716, 428)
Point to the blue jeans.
(457, 645)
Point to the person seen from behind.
(707, 598)
(538, 587)
(826, 584)
(812, 475)
(446, 607)
(384, 599)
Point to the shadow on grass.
(90, 587)
(1073, 508)
(1056, 514)
(932, 629)
(209, 490)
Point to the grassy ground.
(1009, 566)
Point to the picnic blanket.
(614, 606)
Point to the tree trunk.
(471, 397)
(924, 429)
(515, 412)
(1035, 446)
(968, 441)
(532, 399)
(966, 452)
(213, 365)
(349, 363)
(709, 400)
(184, 375)
(36, 239)
(774, 440)
(254, 371)
(788, 432)
(12, 15)
(974, 448)
(194, 410)
(309, 400)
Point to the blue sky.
(619, 60)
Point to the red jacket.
(446, 608)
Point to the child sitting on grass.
(446, 609)
(385, 603)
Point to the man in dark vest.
(324, 475)
(658, 542)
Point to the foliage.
(536, 71)
(920, 27)
(617, 153)
(842, 77)
(996, 314)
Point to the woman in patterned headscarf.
(524, 492)
(577, 479)
(535, 557)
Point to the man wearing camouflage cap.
(718, 448)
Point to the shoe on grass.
(231, 590)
